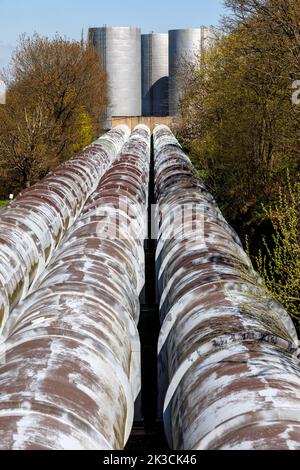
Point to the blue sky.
(68, 17)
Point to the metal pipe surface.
(33, 225)
(70, 369)
(70, 366)
(228, 367)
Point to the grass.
(3, 204)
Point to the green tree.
(239, 123)
(56, 95)
(242, 130)
(86, 131)
(279, 260)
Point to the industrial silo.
(155, 73)
(184, 44)
(120, 52)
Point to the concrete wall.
(150, 121)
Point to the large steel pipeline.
(71, 365)
(32, 226)
(228, 366)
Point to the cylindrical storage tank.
(184, 44)
(155, 74)
(120, 52)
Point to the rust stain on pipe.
(228, 367)
(33, 225)
(72, 363)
